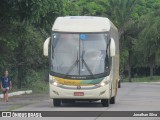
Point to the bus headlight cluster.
(53, 82)
(104, 83)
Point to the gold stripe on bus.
(70, 82)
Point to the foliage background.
(25, 24)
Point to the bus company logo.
(6, 114)
(21, 114)
(78, 87)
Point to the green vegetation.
(25, 24)
(36, 82)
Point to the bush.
(35, 80)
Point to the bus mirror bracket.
(46, 46)
(112, 48)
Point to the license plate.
(78, 93)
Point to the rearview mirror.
(46, 46)
(112, 48)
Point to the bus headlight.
(104, 83)
(53, 82)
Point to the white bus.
(84, 60)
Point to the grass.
(143, 79)
(38, 87)
(13, 107)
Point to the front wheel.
(113, 100)
(119, 84)
(105, 102)
(68, 101)
(56, 102)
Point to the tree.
(149, 38)
(121, 13)
(85, 8)
(24, 24)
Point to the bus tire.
(68, 101)
(105, 102)
(119, 84)
(113, 100)
(56, 102)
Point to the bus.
(83, 60)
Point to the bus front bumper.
(103, 92)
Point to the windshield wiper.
(89, 70)
(71, 68)
(83, 61)
(85, 64)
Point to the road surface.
(130, 97)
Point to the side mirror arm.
(46, 46)
(112, 48)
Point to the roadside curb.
(151, 82)
(17, 93)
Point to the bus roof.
(81, 24)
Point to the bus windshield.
(74, 54)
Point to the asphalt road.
(130, 97)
